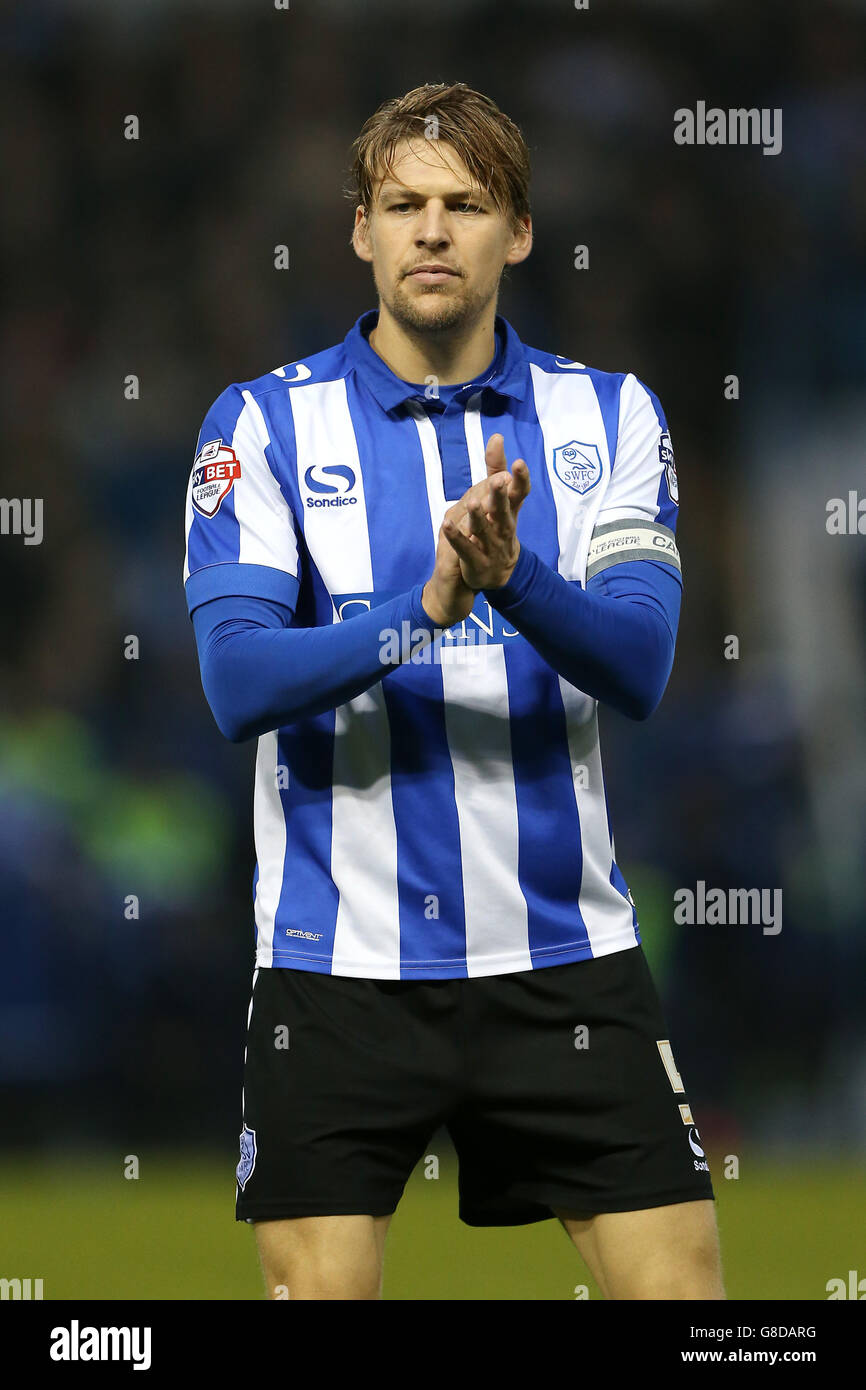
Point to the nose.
(432, 228)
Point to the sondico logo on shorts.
(701, 1165)
(331, 482)
(214, 473)
(694, 1138)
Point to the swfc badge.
(213, 476)
(578, 465)
(248, 1156)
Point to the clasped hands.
(477, 546)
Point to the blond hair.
(490, 145)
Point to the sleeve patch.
(630, 539)
(666, 456)
(214, 473)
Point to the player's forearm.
(619, 650)
(258, 677)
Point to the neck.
(453, 356)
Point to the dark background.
(155, 257)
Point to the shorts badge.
(248, 1156)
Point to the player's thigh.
(665, 1252)
(323, 1256)
(581, 1232)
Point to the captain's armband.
(630, 539)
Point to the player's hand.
(446, 597)
(483, 533)
(517, 480)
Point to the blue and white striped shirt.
(451, 820)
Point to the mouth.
(432, 275)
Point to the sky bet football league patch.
(213, 476)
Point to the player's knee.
(699, 1265)
(697, 1273)
(698, 1277)
(684, 1263)
(336, 1259)
(706, 1267)
(309, 1279)
(309, 1287)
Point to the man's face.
(427, 213)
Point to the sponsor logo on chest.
(330, 485)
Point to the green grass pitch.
(90, 1233)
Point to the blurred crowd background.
(155, 257)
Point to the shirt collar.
(506, 374)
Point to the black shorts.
(550, 1082)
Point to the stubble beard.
(453, 311)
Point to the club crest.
(248, 1156)
(578, 465)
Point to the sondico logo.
(332, 481)
(694, 1138)
(701, 1164)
